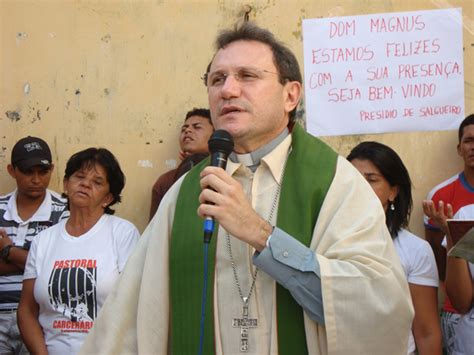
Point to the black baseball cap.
(29, 152)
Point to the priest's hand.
(223, 198)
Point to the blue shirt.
(295, 267)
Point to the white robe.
(367, 305)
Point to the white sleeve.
(126, 239)
(424, 271)
(465, 212)
(30, 266)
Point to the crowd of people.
(312, 252)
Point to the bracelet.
(267, 243)
(5, 252)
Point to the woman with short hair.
(72, 266)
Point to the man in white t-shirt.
(24, 213)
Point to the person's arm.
(434, 234)
(156, 197)
(161, 186)
(28, 323)
(16, 257)
(295, 267)
(434, 237)
(459, 285)
(426, 324)
(8, 269)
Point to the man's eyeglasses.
(242, 75)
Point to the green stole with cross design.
(309, 172)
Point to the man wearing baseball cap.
(23, 214)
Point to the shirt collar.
(274, 160)
(42, 214)
(252, 160)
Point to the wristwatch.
(5, 252)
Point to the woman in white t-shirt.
(387, 175)
(72, 266)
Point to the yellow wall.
(122, 74)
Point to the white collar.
(252, 159)
(42, 214)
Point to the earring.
(392, 206)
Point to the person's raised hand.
(439, 214)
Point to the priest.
(301, 261)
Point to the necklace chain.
(244, 299)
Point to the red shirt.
(457, 192)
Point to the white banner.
(384, 72)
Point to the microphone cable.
(220, 146)
(204, 294)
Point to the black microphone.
(220, 146)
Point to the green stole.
(309, 172)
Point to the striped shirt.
(51, 211)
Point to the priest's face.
(246, 97)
